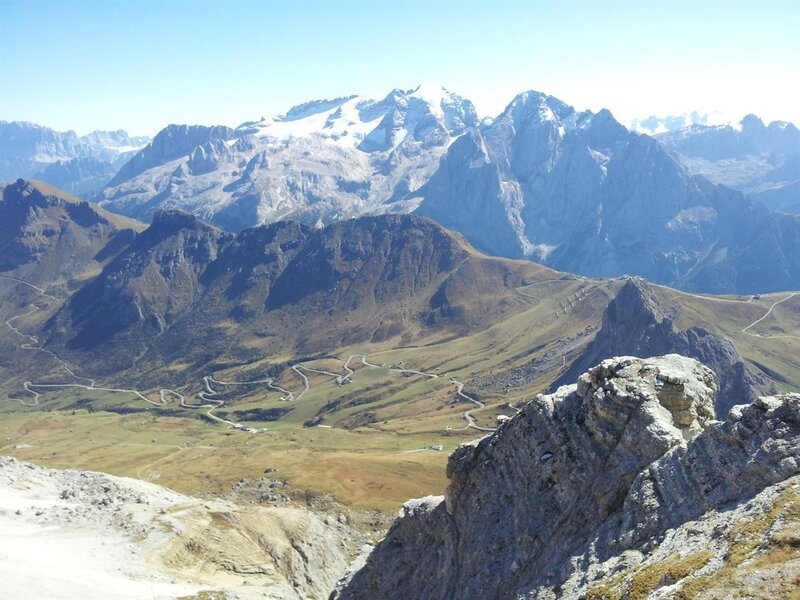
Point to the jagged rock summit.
(636, 323)
(593, 490)
(580, 193)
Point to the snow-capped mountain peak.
(435, 96)
(326, 159)
(539, 105)
(350, 120)
(328, 119)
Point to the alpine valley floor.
(370, 436)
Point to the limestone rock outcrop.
(588, 483)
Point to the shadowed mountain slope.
(285, 287)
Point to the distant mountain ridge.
(655, 124)
(761, 160)
(79, 176)
(78, 164)
(573, 190)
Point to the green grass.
(363, 469)
(672, 570)
(380, 415)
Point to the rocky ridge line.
(635, 323)
(591, 481)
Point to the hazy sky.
(140, 65)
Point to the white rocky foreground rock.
(78, 534)
(622, 486)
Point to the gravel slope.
(79, 534)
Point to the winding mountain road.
(209, 402)
(468, 414)
(459, 389)
(767, 314)
(745, 330)
(41, 291)
(307, 385)
(349, 372)
(34, 345)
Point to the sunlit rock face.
(585, 481)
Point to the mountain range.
(761, 160)
(135, 300)
(575, 191)
(80, 165)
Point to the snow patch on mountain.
(338, 120)
(320, 161)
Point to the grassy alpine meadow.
(363, 436)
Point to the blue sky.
(140, 65)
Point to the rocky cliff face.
(172, 142)
(635, 324)
(579, 192)
(585, 491)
